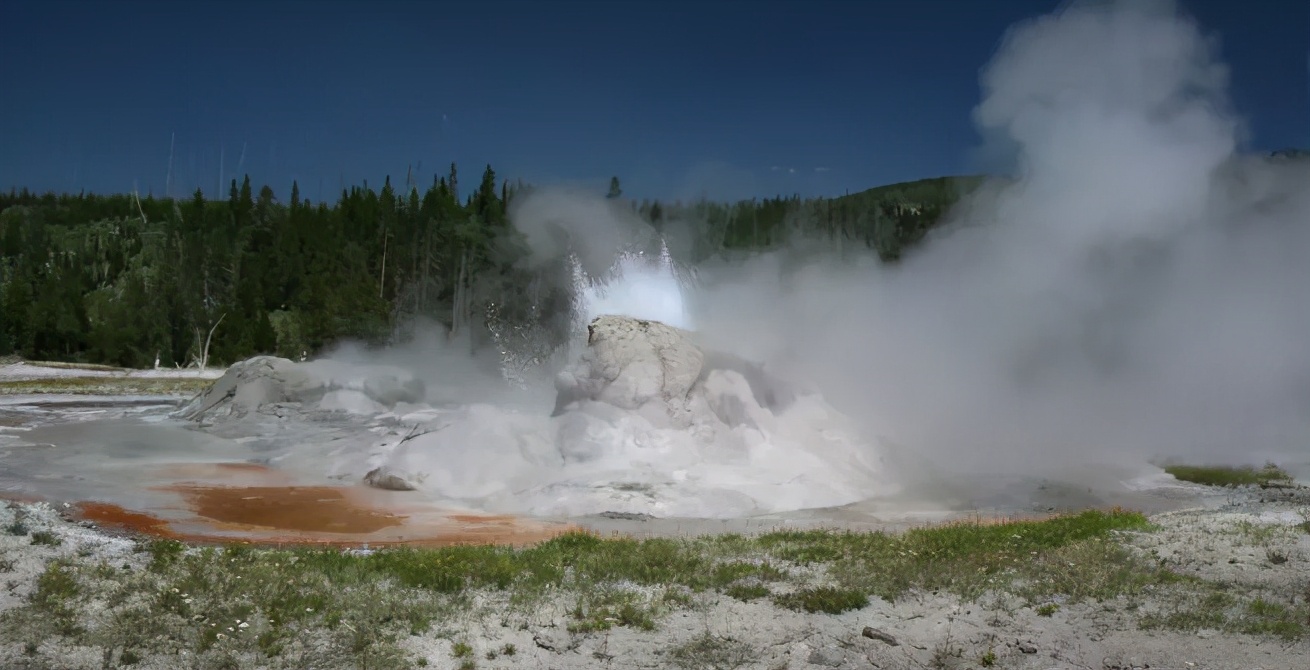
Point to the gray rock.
(879, 635)
(382, 478)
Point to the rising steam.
(1137, 289)
(1134, 290)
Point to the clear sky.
(726, 98)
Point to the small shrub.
(46, 537)
(1047, 609)
(163, 553)
(17, 528)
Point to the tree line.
(125, 280)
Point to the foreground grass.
(106, 385)
(1227, 475)
(324, 608)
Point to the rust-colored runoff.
(254, 504)
(313, 509)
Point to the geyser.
(647, 423)
(641, 287)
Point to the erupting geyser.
(646, 422)
(644, 289)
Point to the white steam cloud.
(1138, 289)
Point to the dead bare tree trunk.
(202, 349)
(382, 280)
(459, 308)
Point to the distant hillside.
(922, 190)
(895, 217)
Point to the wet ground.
(124, 464)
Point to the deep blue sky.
(676, 98)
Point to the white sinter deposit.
(645, 422)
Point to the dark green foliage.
(113, 279)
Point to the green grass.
(826, 599)
(263, 604)
(1230, 475)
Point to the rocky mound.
(646, 422)
(272, 385)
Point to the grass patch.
(1230, 475)
(609, 607)
(826, 599)
(968, 559)
(747, 592)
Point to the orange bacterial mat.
(254, 504)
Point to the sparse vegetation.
(1228, 475)
(1213, 606)
(262, 603)
(45, 537)
(712, 652)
